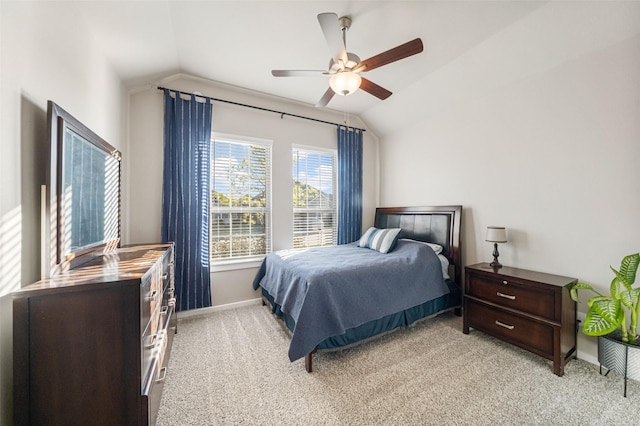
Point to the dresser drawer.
(149, 344)
(513, 294)
(167, 271)
(152, 394)
(151, 294)
(521, 331)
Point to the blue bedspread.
(327, 290)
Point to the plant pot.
(616, 355)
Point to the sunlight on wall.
(10, 250)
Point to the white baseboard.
(212, 309)
(588, 357)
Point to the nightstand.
(531, 310)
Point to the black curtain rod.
(282, 114)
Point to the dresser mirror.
(83, 191)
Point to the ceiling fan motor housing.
(352, 61)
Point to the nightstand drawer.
(526, 333)
(513, 294)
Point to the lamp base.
(495, 263)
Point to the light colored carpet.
(231, 367)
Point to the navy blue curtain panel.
(185, 195)
(349, 184)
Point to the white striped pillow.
(382, 240)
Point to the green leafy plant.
(607, 313)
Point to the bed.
(335, 297)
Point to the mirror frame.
(58, 120)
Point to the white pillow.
(445, 266)
(435, 247)
(382, 240)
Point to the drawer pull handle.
(505, 282)
(152, 341)
(162, 375)
(506, 296)
(507, 326)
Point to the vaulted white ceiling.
(470, 47)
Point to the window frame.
(242, 262)
(317, 150)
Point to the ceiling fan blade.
(324, 100)
(297, 73)
(333, 35)
(372, 88)
(399, 52)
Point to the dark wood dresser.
(91, 345)
(529, 309)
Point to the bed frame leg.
(308, 360)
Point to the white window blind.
(240, 226)
(314, 198)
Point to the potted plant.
(614, 319)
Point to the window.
(240, 207)
(314, 201)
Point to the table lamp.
(495, 235)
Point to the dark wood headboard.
(431, 224)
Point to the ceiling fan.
(345, 67)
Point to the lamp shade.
(496, 234)
(345, 83)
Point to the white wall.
(145, 153)
(553, 155)
(40, 59)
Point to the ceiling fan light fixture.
(345, 83)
